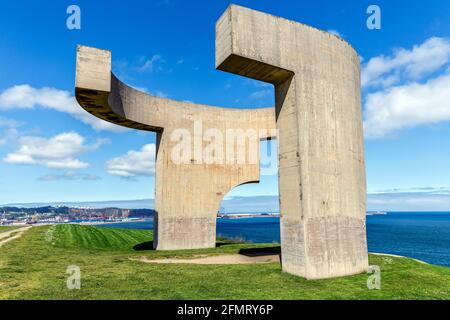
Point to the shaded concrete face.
(318, 115)
(322, 180)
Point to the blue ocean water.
(420, 235)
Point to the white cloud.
(404, 64)
(70, 175)
(409, 201)
(257, 83)
(27, 97)
(335, 32)
(134, 163)
(160, 94)
(58, 152)
(10, 133)
(407, 106)
(413, 88)
(152, 64)
(430, 190)
(142, 89)
(9, 123)
(261, 94)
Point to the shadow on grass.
(221, 244)
(147, 246)
(250, 252)
(258, 252)
(144, 246)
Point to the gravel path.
(8, 236)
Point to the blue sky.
(50, 151)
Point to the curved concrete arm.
(100, 93)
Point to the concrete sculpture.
(318, 116)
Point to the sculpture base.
(324, 247)
(180, 233)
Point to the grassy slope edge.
(34, 267)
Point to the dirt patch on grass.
(8, 236)
(220, 259)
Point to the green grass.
(89, 237)
(34, 267)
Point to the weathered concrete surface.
(321, 157)
(188, 195)
(322, 180)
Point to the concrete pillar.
(318, 112)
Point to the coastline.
(247, 215)
(237, 217)
(90, 223)
(86, 223)
(399, 256)
(219, 216)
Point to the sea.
(419, 235)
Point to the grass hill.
(96, 238)
(34, 267)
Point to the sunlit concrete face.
(318, 116)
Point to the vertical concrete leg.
(321, 176)
(188, 195)
(318, 112)
(181, 223)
